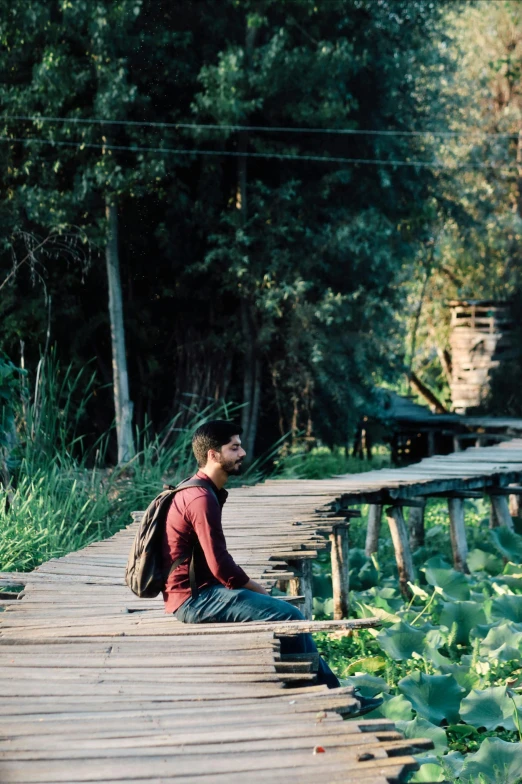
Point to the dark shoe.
(367, 703)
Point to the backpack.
(145, 574)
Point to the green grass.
(62, 496)
(322, 463)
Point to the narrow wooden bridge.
(99, 686)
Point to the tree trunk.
(122, 404)
(252, 364)
(427, 394)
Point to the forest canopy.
(288, 190)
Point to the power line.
(260, 128)
(272, 155)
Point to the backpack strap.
(192, 567)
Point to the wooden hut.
(480, 340)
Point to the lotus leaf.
(508, 608)
(502, 642)
(368, 575)
(436, 657)
(515, 570)
(434, 531)
(368, 685)
(420, 728)
(454, 584)
(481, 561)
(452, 763)
(420, 592)
(489, 708)
(357, 558)
(401, 640)
(465, 677)
(368, 664)
(496, 761)
(370, 611)
(437, 562)
(434, 697)
(396, 708)
(508, 543)
(430, 771)
(465, 615)
(513, 583)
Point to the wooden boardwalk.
(99, 686)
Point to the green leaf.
(434, 697)
(370, 611)
(368, 685)
(508, 608)
(396, 708)
(508, 543)
(502, 643)
(401, 640)
(420, 728)
(431, 771)
(452, 764)
(496, 760)
(489, 708)
(482, 561)
(368, 664)
(462, 730)
(453, 583)
(465, 615)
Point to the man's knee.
(294, 614)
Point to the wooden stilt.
(493, 519)
(459, 543)
(373, 529)
(416, 525)
(340, 581)
(301, 585)
(514, 505)
(401, 545)
(500, 509)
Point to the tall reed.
(62, 495)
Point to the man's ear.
(212, 455)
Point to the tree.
(290, 305)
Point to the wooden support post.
(373, 529)
(340, 580)
(459, 543)
(514, 501)
(500, 511)
(399, 535)
(301, 585)
(416, 525)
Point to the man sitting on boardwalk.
(225, 594)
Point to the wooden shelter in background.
(414, 432)
(480, 341)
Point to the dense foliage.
(448, 662)
(272, 281)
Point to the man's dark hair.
(213, 435)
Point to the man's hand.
(253, 586)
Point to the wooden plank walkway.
(99, 686)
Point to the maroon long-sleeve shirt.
(196, 512)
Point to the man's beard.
(232, 467)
